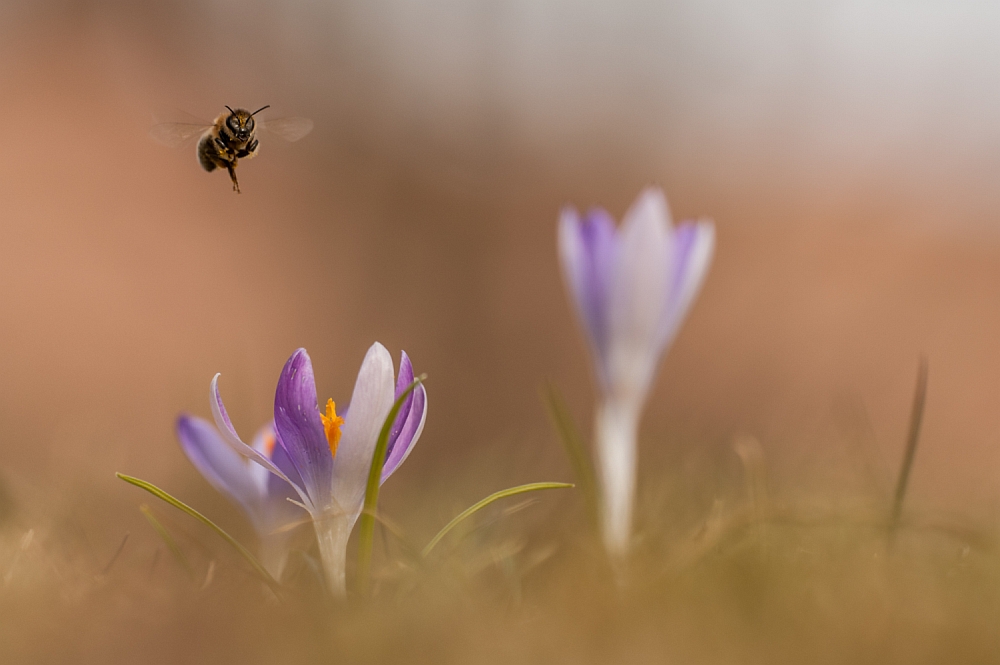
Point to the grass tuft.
(180, 505)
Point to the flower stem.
(332, 534)
(616, 429)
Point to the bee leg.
(232, 174)
(249, 150)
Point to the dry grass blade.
(916, 418)
(114, 557)
(167, 539)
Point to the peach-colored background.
(848, 153)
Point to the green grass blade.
(479, 505)
(576, 451)
(366, 526)
(180, 505)
(168, 539)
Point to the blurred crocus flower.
(261, 495)
(332, 455)
(632, 288)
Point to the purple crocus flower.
(261, 495)
(332, 455)
(632, 288)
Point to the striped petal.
(409, 421)
(225, 469)
(693, 246)
(371, 401)
(277, 510)
(230, 436)
(300, 429)
(587, 251)
(638, 294)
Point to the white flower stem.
(332, 533)
(616, 428)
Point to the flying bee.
(232, 137)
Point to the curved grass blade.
(366, 527)
(180, 505)
(168, 539)
(479, 505)
(583, 468)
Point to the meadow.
(845, 155)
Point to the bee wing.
(174, 134)
(290, 129)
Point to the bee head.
(240, 123)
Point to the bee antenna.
(261, 109)
(230, 110)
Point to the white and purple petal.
(225, 469)
(246, 483)
(374, 394)
(409, 423)
(263, 443)
(693, 246)
(637, 297)
(588, 250)
(300, 429)
(230, 436)
(279, 510)
(275, 485)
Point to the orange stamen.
(332, 423)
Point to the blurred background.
(849, 153)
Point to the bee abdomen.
(208, 155)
